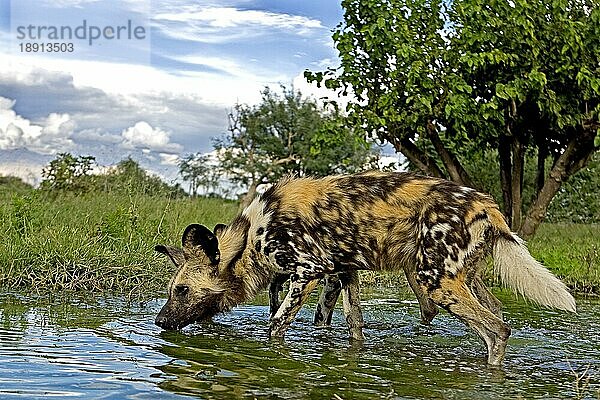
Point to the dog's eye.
(181, 290)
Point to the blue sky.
(157, 98)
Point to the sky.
(155, 93)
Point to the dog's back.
(374, 220)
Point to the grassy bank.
(571, 251)
(98, 241)
(104, 241)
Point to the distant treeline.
(577, 200)
(73, 174)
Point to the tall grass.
(571, 251)
(97, 241)
(105, 241)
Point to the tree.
(198, 170)
(442, 80)
(128, 177)
(67, 173)
(289, 134)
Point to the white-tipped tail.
(522, 273)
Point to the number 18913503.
(48, 47)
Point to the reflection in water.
(74, 348)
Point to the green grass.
(104, 242)
(571, 251)
(97, 241)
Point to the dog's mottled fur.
(435, 230)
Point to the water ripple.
(108, 348)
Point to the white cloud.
(231, 83)
(233, 70)
(15, 131)
(224, 24)
(58, 125)
(326, 63)
(101, 116)
(50, 135)
(169, 159)
(28, 172)
(98, 136)
(67, 3)
(114, 109)
(133, 4)
(145, 137)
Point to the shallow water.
(66, 347)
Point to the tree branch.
(518, 164)
(453, 166)
(541, 167)
(506, 175)
(420, 159)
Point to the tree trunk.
(453, 166)
(518, 162)
(421, 160)
(250, 194)
(540, 173)
(506, 176)
(576, 156)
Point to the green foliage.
(461, 65)
(572, 251)
(287, 133)
(444, 80)
(129, 178)
(200, 172)
(511, 55)
(335, 149)
(21, 218)
(13, 184)
(579, 199)
(67, 173)
(96, 241)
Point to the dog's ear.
(219, 229)
(197, 237)
(175, 254)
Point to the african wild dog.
(332, 287)
(375, 221)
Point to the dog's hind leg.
(455, 296)
(332, 286)
(351, 300)
(485, 297)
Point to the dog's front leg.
(275, 287)
(352, 310)
(296, 296)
